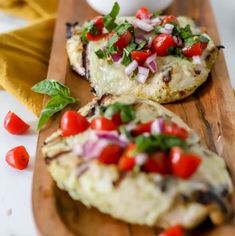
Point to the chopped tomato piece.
(73, 123)
(142, 128)
(194, 50)
(102, 123)
(18, 157)
(162, 43)
(99, 23)
(172, 128)
(169, 20)
(143, 13)
(181, 164)
(110, 154)
(91, 37)
(156, 163)
(176, 230)
(14, 124)
(117, 119)
(127, 161)
(123, 40)
(140, 56)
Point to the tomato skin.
(143, 13)
(110, 154)
(73, 123)
(161, 44)
(176, 230)
(123, 40)
(156, 163)
(99, 23)
(127, 162)
(142, 128)
(117, 119)
(18, 158)
(102, 123)
(91, 37)
(173, 129)
(183, 165)
(14, 124)
(194, 50)
(140, 56)
(169, 20)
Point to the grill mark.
(117, 182)
(69, 29)
(201, 111)
(219, 47)
(84, 61)
(48, 160)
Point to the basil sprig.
(60, 98)
(109, 20)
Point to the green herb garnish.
(109, 20)
(126, 59)
(60, 98)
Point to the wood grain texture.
(210, 111)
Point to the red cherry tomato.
(176, 230)
(143, 13)
(14, 124)
(18, 157)
(99, 23)
(102, 123)
(169, 19)
(127, 161)
(183, 165)
(142, 128)
(91, 37)
(73, 123)
(117, 119)
(140, 56)
(123, 40)
(172, 128)
(162, 43)
(194, 50)
(156, 163)
(110, 154)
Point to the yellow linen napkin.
(24, 52)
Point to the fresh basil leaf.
(158, 29)
(90, 27)
(113, 40)
(127, 113)
(122, 28)
(176, 30)
(141, 45)
(109, 20)
(161, 141)
(55, 104)
(203, 39)
(126, 60)
(100, 54)
(186, 32)
(51, 88)
(111, 110)
(123, 130)
(175, 51)
(156, 14)
(190, 41)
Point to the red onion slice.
(116, 57)
(141, 158)
(178, 41)
(151, 62)
(169, 27)
(143, 25)
(197, 60)
(157, 126)
(131, 67)
(143, 74)
(77, 149)
(150, 42)
(156, 21)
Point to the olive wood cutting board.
(210, 111)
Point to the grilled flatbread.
(139, 195)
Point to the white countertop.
(15, 186)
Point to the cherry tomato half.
(142, 128)
(143, 13)
(127, 161)
(73, 123)
(102, 123)
(14, 124)
(194, 50)
(110, 154)
(162, 43)
(172, 128)
(123, 40)
(183, 165)
(156, 163)
(169, 19)
(18, 157)
(140, 56)
(117, 119)
(91, 37)
(176, 230)
(99, 23)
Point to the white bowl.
(128, 7)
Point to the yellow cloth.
(24, 52)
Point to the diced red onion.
(130, 126)
(151, 62)
(178, 41)
(116, 57)
(147, 20)
(143, 25)
(131, 67)
(141, 158)
(150, 41)
(157, 126)
(165, 31)
(156, 21)
(169, 27)
(197, 60)
(143, 74)
(77, 150)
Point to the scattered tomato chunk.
(127, 161)
(140, 56)
(142, 128)
(194, 50)
(172, 128)
(18, 157)
(176, 230)
(143, 13)
(123, 40)
(14, 124)
(110, 154)
(162, 43)
(169, 20)
(103, 123)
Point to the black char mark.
(166, 74)
(69, 29)
(85, 64)
(49, 159)
(220, 47)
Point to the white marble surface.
(15, 186)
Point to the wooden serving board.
(210, 111)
